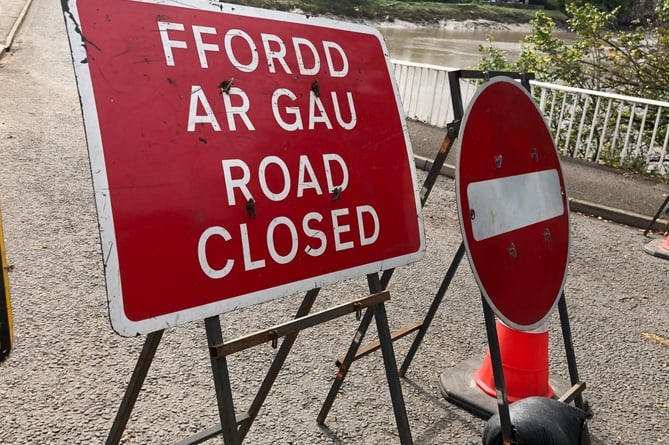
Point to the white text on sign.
(313, 232)
(311, 237)
(236, 102)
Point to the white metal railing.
(595, 126)
(425, 92)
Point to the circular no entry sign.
(512, 204)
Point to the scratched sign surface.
(238, 155)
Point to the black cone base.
(458, 387)
(655, 248)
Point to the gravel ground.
(65, 378)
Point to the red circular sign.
(512, 204)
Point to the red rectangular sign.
(238, 155)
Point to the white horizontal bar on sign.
(505, 204)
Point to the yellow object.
(6, 335)
(656, 338)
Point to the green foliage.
(633, 62)
(493, 59)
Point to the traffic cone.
(524, 362)
(471, 384)
(658, 248)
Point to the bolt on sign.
(5, 304)
(238, 155)
(512, 204)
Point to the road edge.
(7, 44)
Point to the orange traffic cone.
(471, 383)
(658, 248)
(524, 362)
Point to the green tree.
(633, 62)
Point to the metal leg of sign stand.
(245, 420)
(138, 376)
(277, 364)
(374, 284)
(577, 386)
(219, 367)
(662, 208)
(386, 345)
(226, 410)
(236, 426)
(390, 364)
(498, 373)
(344, 367)
(221, 381)
(438, 162)
(392, 375)
(420, 326)
(436, 302)
(435, 170)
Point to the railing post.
(423, 95)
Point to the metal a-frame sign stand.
(234, 427)
(356, 351)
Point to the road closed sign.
(512, 204)
(238, 155)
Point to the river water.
(445, 46)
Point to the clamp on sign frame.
(573, 394)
